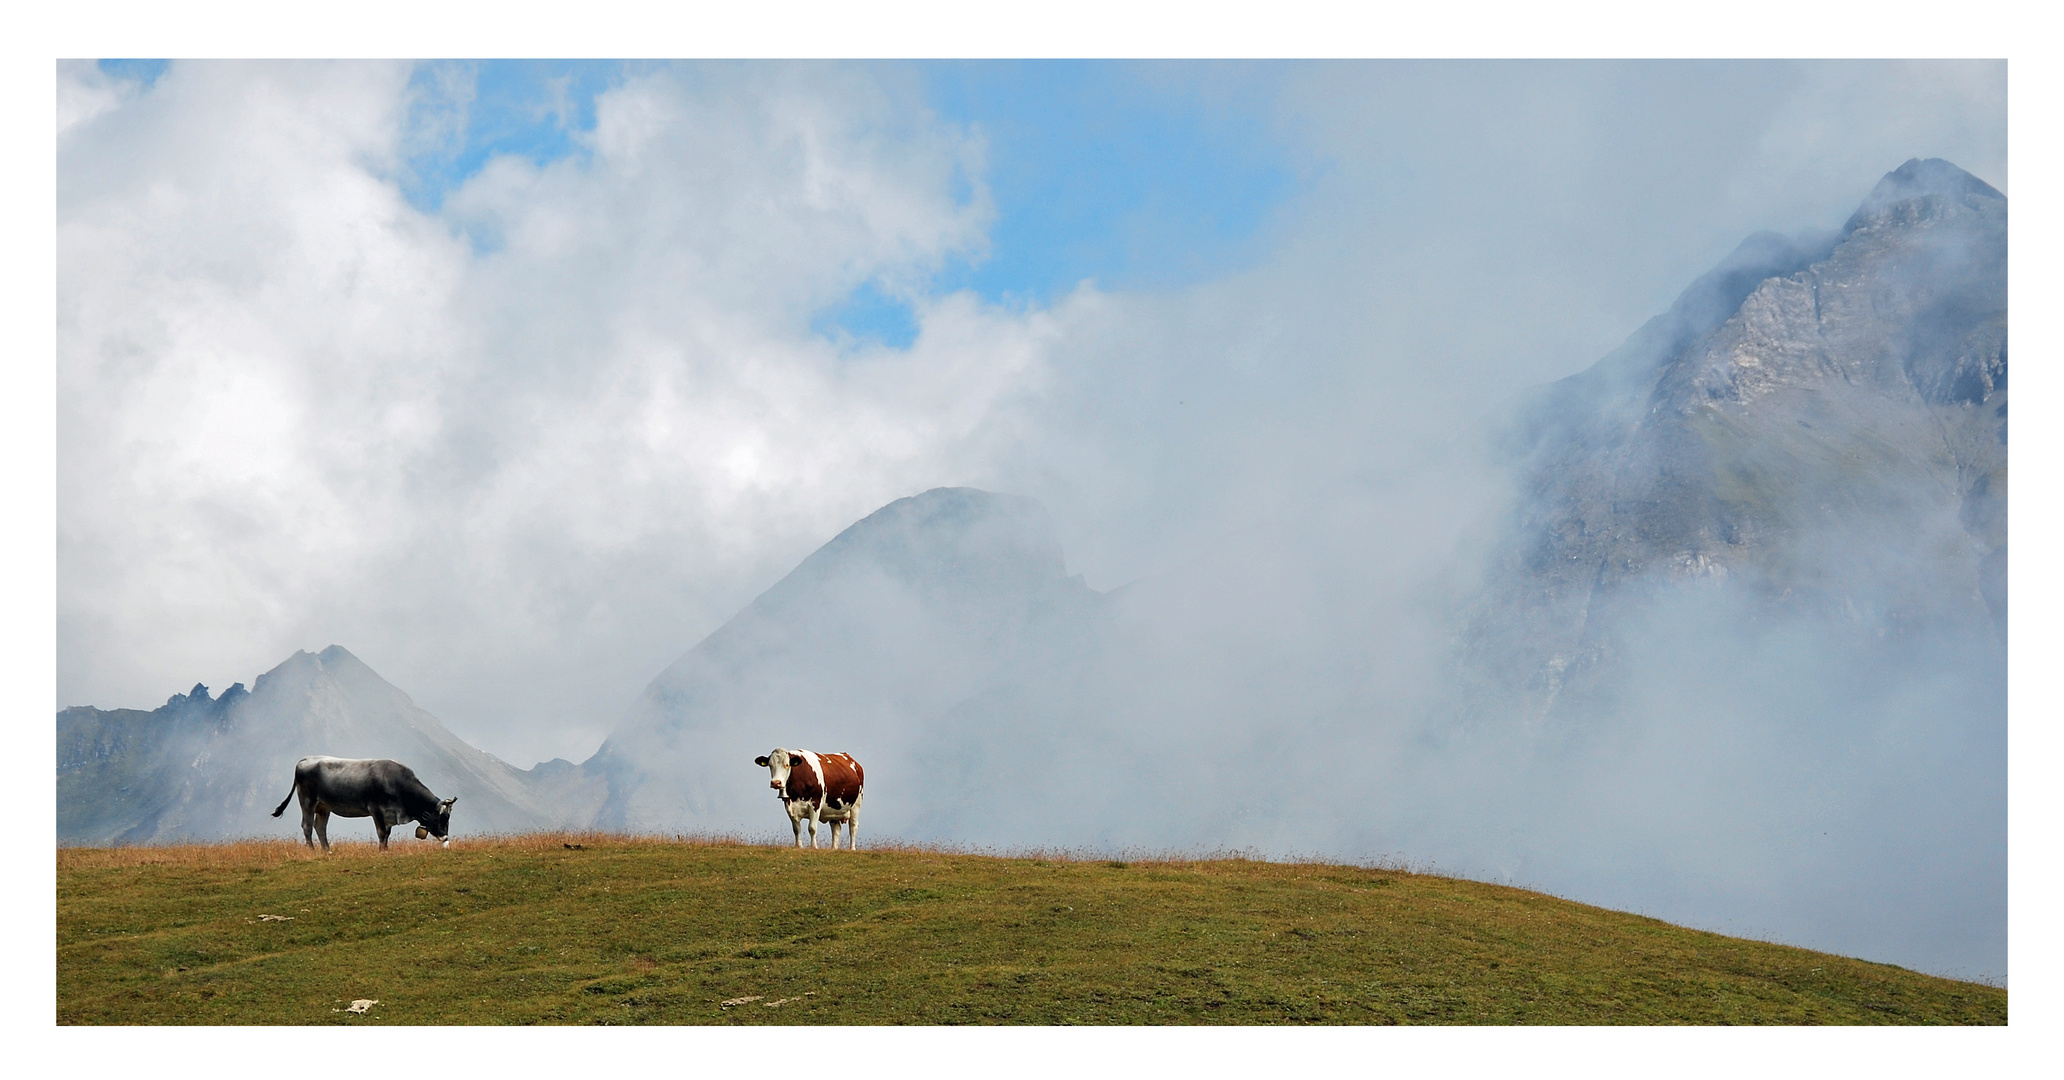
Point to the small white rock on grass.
(768, 1005)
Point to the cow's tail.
(282, 807)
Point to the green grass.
(528, 930)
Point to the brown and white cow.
(817, 787)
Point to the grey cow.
(386, 791)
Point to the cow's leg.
(813, 829)
(795, 821)
(308, 824)
(381, 826)
(834, 823)
(322, 827)
(853, 830)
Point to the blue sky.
(146, 71)
(1103, 170)
(1120, 173)
(527, 108)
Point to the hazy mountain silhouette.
(920, 606)
(201, 768)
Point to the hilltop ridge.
(610, 929)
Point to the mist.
(524, 450)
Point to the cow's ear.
(761, 761)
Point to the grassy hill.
(636, 931)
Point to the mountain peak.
(1926, 187)
(914, 609)
(210, 767)
(946, 533)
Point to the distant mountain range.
(1808, 392)
(203, 768)
(908, 615)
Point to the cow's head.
(777, 763)
(438, 824)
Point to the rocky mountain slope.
(1819, 422)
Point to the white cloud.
(1846, 119)
(517, 477)
(520, 455)
(84, 92)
